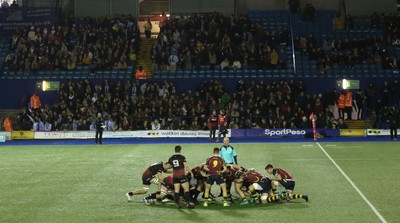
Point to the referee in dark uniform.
(394, 123)
(99, 129)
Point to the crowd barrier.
(234, 133)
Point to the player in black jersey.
(179, 169)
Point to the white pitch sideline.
(353, 185)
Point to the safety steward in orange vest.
(35, 102)
(348, 104)
(140, 73)
(7, 124)
(340, 105)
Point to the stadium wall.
(362, 7)
(226, 7)
(18, 94)
(110, 7)
(104, 7)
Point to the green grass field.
(88, 183)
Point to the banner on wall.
(124, 134)
(379, 132)
(22, 135)
(2, 136)
(352, 132)
(283, 133)
(22, 17)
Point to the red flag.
(312, 118)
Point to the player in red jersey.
(213, 124)
(167, 188)
(230, 175)
(215, 167)
(153, 174)
(286, 180)
(222, 125)
(179, 169)
(245, 179)
(197, 182)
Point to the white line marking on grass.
(336, 159)
(353, 185)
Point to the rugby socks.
(187, 197)
(297, 196)
(255, 196)
(176, 198)
(196, 194)
(152, 196)
(272, 199)
(169, 196)
(130, 194)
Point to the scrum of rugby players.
(252, 186)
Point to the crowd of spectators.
(346, 53)
(100, 43)
(147, 105)
(215, 40)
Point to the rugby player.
(215, 167)
(180, 167)
(264, 187)
(197, 182)
(243, 180)
(230, 175)
(152, 175)
(286, 180)
(167, 188)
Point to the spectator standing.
(212, 124)
(163, 20)
(222, 125)
(7, 124)
(35, 102)
(340, 104)
(147, 28)
(348, 103)
(359, 103)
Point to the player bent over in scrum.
(286, 180)
(214, 165)
(167, 188)
(152, 175)
(264, 187)
(197, 182)
(244, 180)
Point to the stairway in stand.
(355, 124)
(144, 56)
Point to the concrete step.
(355, 124)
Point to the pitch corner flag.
(312, 118)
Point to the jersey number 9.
(215, 163)
(175, 163)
